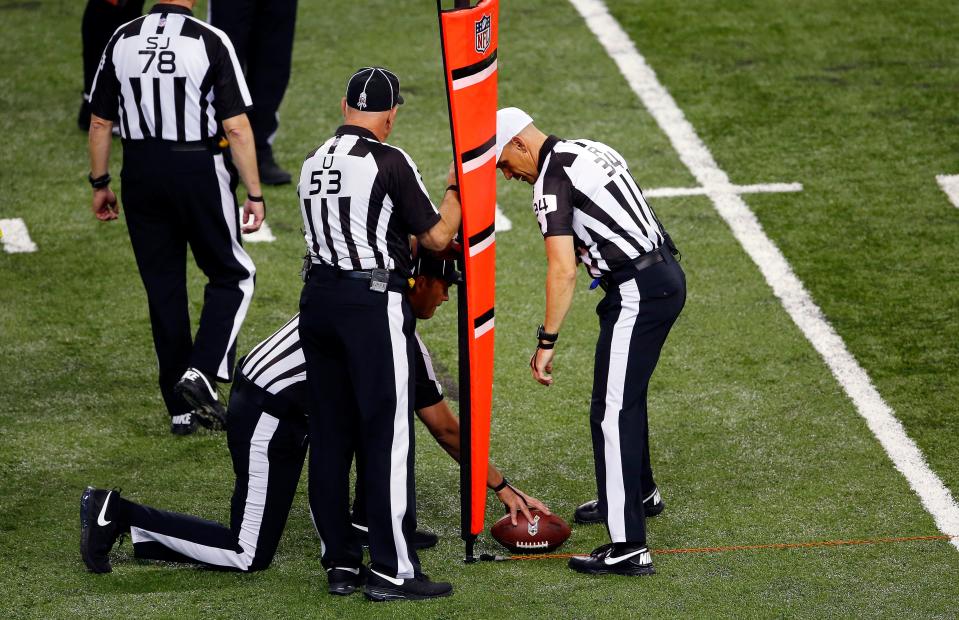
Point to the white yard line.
(761, 188)
(264, 235)
(502, 223)
(950, 185)
(903, 452)
(15, 238)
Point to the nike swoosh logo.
(393, 580)
(611, 561)
(101, 518)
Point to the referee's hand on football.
(516, 501)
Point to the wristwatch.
(542, 334)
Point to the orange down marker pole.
(469, 40)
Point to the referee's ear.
(343, 106)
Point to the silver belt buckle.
(379, 280)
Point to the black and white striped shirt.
(277, 366)
(585, 190)
(361, 199)
(169, 76)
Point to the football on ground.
(541, 535)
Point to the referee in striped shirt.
(174, 86)
(361, 200)
(590, 208)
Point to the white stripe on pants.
(399, 456)
(228, 203)
(615, 387)
(259, 475)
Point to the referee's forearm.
(560, 281)
(560, 285)
(100, 137)
(240, 135)
(439, 237)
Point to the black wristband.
(253, 198)
(454, 187)
(502, 485)
(542, 334)
(99, 182)
(545, 345)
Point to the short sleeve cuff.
(109, 115)
(234, 112)
(428, 223)
(427, 400)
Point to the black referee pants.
(634, 319)
(173, 199)
(262, 34)
(268, 454)
(359, 350)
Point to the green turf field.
(753, 439)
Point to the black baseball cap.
(426, 265)
(373, 89)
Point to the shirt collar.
(164, 7)
(546, 149)
(355, 130)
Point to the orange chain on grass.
(801, 545)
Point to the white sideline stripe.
(15, 238)
(760, 188)
(502, 223)
(903, 452)
(948, 183)
(264, 235)
(475, 78)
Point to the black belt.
(210, 144)
(630, 269)
(396, 282)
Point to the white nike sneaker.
(615, 558)
(99, 527)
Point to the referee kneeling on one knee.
(361, 200)
(171, 82)
(590, 208)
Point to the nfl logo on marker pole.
(483, 28)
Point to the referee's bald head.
(518, 142)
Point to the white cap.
(509, 122)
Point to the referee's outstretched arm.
(439, 236)
(240, 135)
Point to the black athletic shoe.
(382, 588)
(270, 171)
(588, 513)
(200, 392)
(421, 538)
(344, 581)
(183, 424)
(630, 560)
(98, 527)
